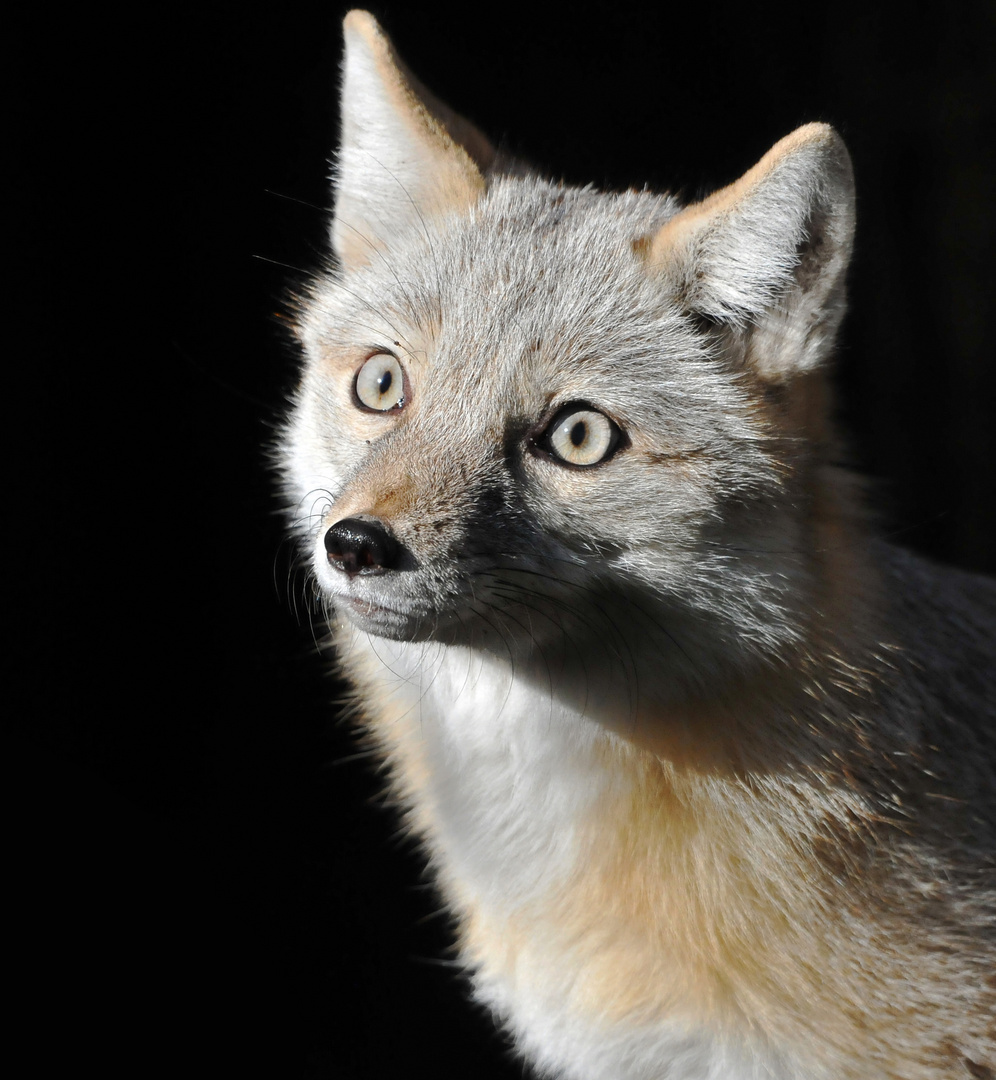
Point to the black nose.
(361, 545)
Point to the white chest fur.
(511, 792)
(505, 775)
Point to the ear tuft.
(768, 254)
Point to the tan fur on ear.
(769, 251)
(676, 236)
(404, 155)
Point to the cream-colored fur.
(705, 771)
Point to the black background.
(203, 878)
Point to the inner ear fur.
(767, 255)
(404, 158)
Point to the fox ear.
(404, 156)
(768, 254)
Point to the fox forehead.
(520, 300)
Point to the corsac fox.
(706, 771)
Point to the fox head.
(542, 418)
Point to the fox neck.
(654, 889)
(515, 780)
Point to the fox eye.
(581, 436)
(380, 384)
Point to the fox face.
(513, 430)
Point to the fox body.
(705, 771)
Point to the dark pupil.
(579, 433)
(384, 383)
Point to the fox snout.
(361, 545)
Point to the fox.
(703, 766)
